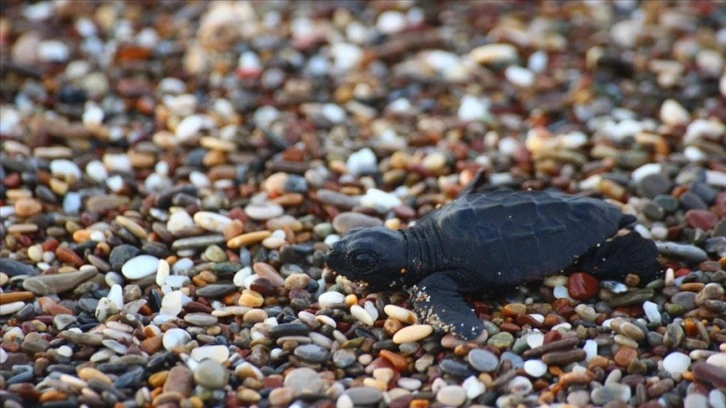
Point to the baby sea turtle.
(483, 242)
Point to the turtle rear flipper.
(614, 259)
(437, 301)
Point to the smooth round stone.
(343, 358)
(473, 387)
(200, 319)
(687, 300)
(263, 211)
(455, 367)
(578, 398)
(175, 338)
(451, 395)
(210, 374)
(179, 221)
(217, 353)
(121, 254)
(501, 340)
(695, 401)
(171, 304)
(676, 362)
(718, 359)
(653, 184)
(140, 267)
(401, 314)
(412, 333)
(331, 298)
(34, 343)
(685, 252)
(312, 353)
(10, 308)
(483, 360)
(364, 395)
(346, 221)
(212, 221)
(304, 380)
(57, 283)
(717, 399)
(610, 392)
(362, 315)
(520, 385)
(535, 339)
(535, 368)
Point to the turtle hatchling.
(484, 242)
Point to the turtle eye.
(363, 261)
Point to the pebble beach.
(173, 173)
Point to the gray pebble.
(686, 252)
(455, 367)
(210, 374)
(364, 395)
(687, 300)
(312, 353)
(610, 392)
(483, 360)
(304, 380)
(653, 185)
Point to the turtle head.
(374, 257)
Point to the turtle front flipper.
(437, 301)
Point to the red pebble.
(582, 286)
(682, 272)
(702, 219)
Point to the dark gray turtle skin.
(484, 241)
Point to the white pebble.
(92, 115)
(718, 359)
(645, 170)
(676, 362)
(115, 183)
(519, 76)
(362, 315)
(473, 387)
(590, 349)
(537, 62)
(493, 53)
(391, 21)
(473, 108)
(190, 127)
(535, 368)
(673, 113)
(182, 265)
(71, 203)
(218, 353)
(380, 200)
(140, 267)
(177, 281)
(162, 272)
(175, 338)
(716, 398)
(10, 308)
(371, 309)
(96, 171)
(117, 162)
(651, 312)
(53, 51)
(115, 294)
(178, 221)
(212, 221)
(65, 169)
(239, 278)
(334, 113)
(362, 162)
(199, 179)
(345, 55)
(331, 298)
(560, 292)
(535, 339)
